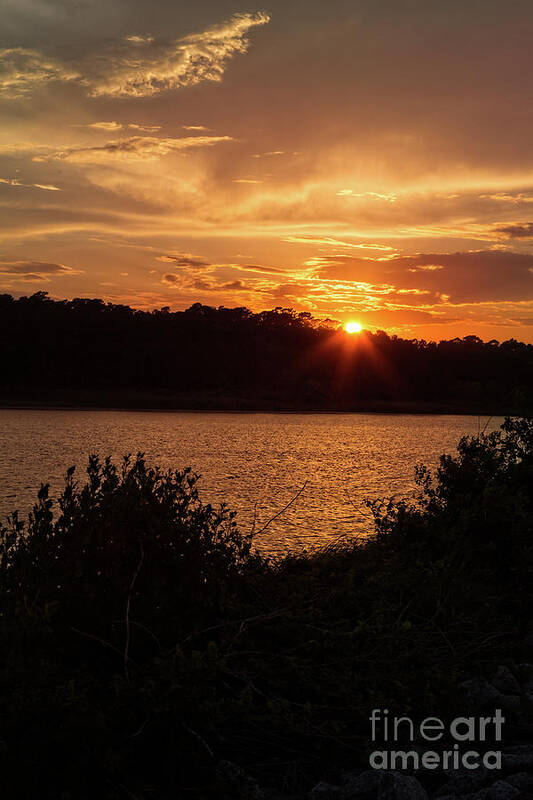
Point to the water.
(256, 463)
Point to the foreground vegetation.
(233, 359)
(149, 651)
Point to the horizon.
(336, 326)
(368, 162)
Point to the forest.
(88, 352)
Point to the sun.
(353, 327)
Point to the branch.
(128, 604)
(289, 504)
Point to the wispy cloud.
(36, 270)
(15, 182)
(138, 39)
(390, 197)
(144, 128)
(132, 148)
(270, 153)
(330, 240)
(23, 70)
(189, 60)
(138, 66)
(105, 126)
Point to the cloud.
(133, 148)
(270, 153)
(516, 230)
(144, 128)
(509, 197)
(390, 197)
(186, 260)
(36, 270)
(22, 71)
(150, 68)
(188, 61)
(201, 284)
(463, 277)
(170, 278)
(330, 240)
(15, 182)
(105, 126)
(195, 128)
(259, 268)
(137, 39)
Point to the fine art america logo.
(457, 736)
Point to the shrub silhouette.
(145, 644)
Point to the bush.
(146, 643)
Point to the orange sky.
(365, 160)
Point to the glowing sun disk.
(353, 327)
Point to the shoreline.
(414, 409)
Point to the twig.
(240, 622)
(96, 639)
(128, 604)
(486, 424)
(200, 739)
(289, 504)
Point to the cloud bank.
(137, 66)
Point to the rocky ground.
(510, 689)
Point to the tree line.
(91, 352)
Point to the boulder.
(325, 791)
(505, 682)
(463, 781)
(361, 787)
(397, 786)
(480, 694)
(521, 780)
(501, 790)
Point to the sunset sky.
(368, 160)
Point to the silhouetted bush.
(145, 644)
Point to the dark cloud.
(170, 278)
(185, 260)
(36, 270)
(479, 276)
(517, 230)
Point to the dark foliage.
(144, 644)
(91, 353)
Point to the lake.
(256, 463)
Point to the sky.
(368, 160)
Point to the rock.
(501, 790)
(325, 791)
(243, 786)
(505, 682)
(518, 758)
(463, 781)
(396, 786)
(382, 785)
(521, 780)
(479, 693)
(361, 786)
(526, 671)
(528, 643)
(510, 703)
